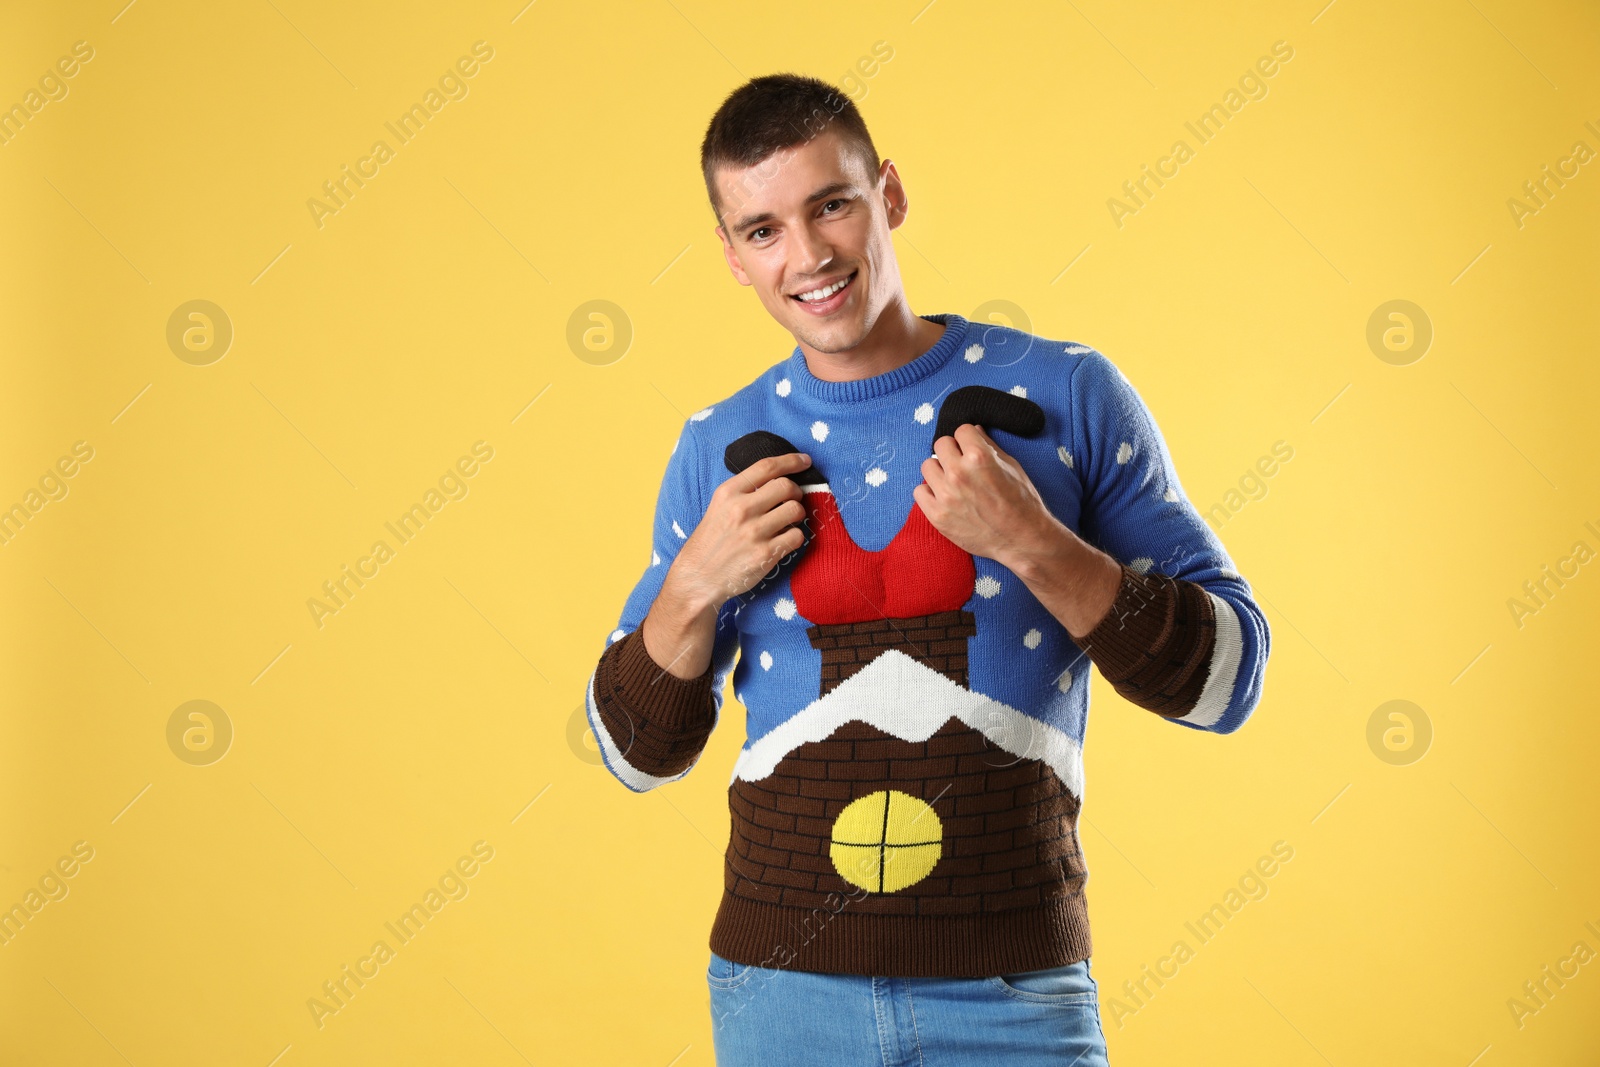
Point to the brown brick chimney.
(938, 641)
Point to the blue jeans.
(774, 1017)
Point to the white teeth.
(823, 294)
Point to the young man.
(917, 532)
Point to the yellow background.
(372, 752)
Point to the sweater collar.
(949, 343)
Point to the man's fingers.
(973, 438)
(766, 497)
(785, 513)
(947, 449)
(763, 471)
(786, 542)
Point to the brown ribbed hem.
(1155, 642)
(838, 941)
(658, 721)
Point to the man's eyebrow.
(766, 216)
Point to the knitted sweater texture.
(906, 801)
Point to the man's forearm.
(1076, 582)
(653, 687)
(1151, 636)
(680, 629)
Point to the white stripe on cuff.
(1226, 652)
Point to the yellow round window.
(886, 841)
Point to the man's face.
(805, 219)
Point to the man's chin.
(832, 337)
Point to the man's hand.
(980, 497)
(982, 500)
(749, 525)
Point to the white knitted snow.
(911, 701)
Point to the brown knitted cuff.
(1155, 644)
(658, 721)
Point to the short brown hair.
(779, 111)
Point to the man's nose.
(813, 252)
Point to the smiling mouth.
(828, 293)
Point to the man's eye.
(830, 203)
(755, 235)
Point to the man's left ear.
(896, 212)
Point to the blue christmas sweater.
(906, 801)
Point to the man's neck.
(897, 338)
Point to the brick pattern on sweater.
(1009, 827)
(938, 640)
